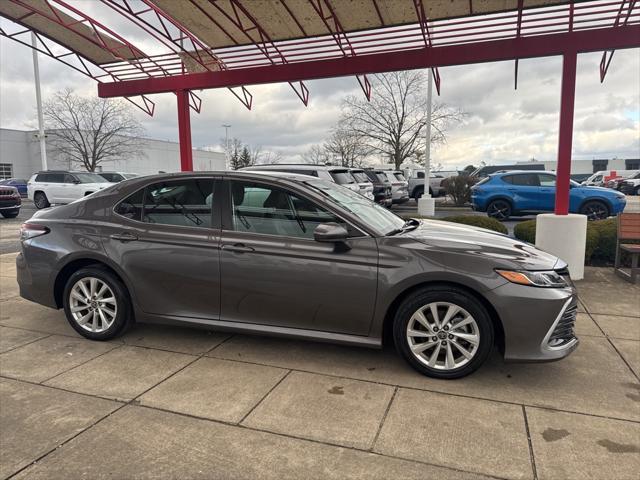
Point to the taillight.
(32, 230)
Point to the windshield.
(370, 213)
(400, 177)
(341, 177)
(129, 175)
(90, 178)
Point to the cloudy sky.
(503, 125)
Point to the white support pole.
(36, 74)
(226, 146)
(427, 204)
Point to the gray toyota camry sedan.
(295, 256)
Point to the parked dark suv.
(10, 201)
(382, 190)
(296, 256)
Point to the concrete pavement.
(170, 402)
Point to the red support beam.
(627, 36)
(184, 131)
(565, 138)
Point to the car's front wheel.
(40, 200)
(96, 303)
(595, 210)
(443, 332)
(499, 209)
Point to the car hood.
(506, 251)
(594, 189)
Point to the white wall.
(22, 149)
(14, 149)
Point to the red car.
(10, 201)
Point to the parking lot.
(184, 403)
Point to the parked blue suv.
(513, 193)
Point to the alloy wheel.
(595, 211)
(93, 304)
(500, 210)
(443, 336)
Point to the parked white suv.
(59, 186)
(331, 173)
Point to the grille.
(563, 333)
(6, 192)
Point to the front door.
(274, 273)
(166, 238)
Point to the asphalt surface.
(10, 228)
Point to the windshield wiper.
(410, 224)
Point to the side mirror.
(330, 232)
(76, 181)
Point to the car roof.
(296, 166)
(534, 172)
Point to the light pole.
(226, 144)
(36, 74)
(427, 204)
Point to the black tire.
(499, 209)
(40, 200)
(13, 214)
(459, 298)
(637, 191)
(595, 210)
(419, 191)
(124, 312)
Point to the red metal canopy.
(236, 43)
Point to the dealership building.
(20, 157)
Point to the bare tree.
(347, 145)
(316, 155)
(393, 122)
(269, 157)
(91, 131)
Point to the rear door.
(524, 189)
(166, 237)
(274, 273)
(547, 191)
(54, 187)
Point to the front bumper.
(538, 323)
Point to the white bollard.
(427, 206)
(564, 236)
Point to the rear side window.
(522, 179)
(186, 203)
(341, 177)
(420, 174)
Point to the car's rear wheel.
(595, 210)
(637, 191)
(96, 303)
(499, 209)
(40, 200)
(443, 332)
(12, 214)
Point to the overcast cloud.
(503, 124)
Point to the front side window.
(89, 178)
(360, 177)
(55, 178)
(370, 213)
(341, 177)
(185, 203)
(270, 210)
(547, 180)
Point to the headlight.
(534, 279)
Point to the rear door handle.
(124, 237)
(237, 247)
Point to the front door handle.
(237, 247)
(124, 237)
